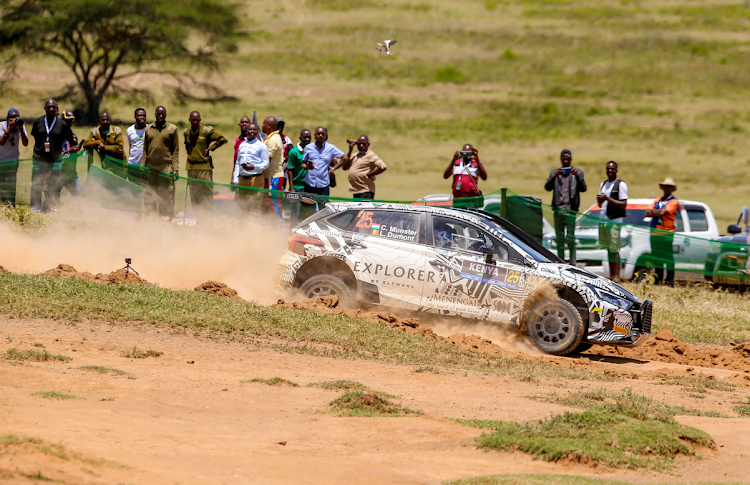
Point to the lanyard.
(660, 204)
(49, 128)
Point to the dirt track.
(175, 422)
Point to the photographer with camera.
(567, 182)
(12, 131)
(465, 168)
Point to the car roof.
(463, 213)
(644, 203)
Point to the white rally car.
(459, 263)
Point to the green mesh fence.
(116, 185)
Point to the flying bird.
(385, 47)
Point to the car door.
(469, 273)
(385, 254)
(691, 248)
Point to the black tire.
(555, 327)
(326, 285)
(642, 273)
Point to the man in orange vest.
(663, 212)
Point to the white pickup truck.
(695, 228)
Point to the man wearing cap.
(363, 167)
(567, 183)
(49, 134)
(613, 200)
(663, 212)
(12, 134)
(161, 151)
(274, 174)
(69, 173)
(107, 140)
(252, 160)
(200, 141)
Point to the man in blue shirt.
(252, 159)
(317, 160)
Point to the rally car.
(460, 263)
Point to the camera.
(128, 260)
(566, 170)
(466, 153)
(19, 122)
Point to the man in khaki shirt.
(363, 168)
(274, 174)
(107, 140)
(161, 152)
(200, 141)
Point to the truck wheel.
(642, 273)
(326, 285)
(555, 326)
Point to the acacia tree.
(103, 41)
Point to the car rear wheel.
(326, 285)
(555, 327)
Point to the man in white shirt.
(252, 160)
(613, 199)
(12, 134)
(135, 135)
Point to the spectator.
(567, 183)
(363, 168)
(12, 134)
(161, 147)
(317, 160)
(252, 160)
(663, 212)
(199, 142)
(244, 123)
(69, 173)
(465, 167)
(49, 136)
(613, 199)
(288, 145)
(295, 173)
(106, 140)
(136, 134)
(274, 174)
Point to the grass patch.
(743, 408)
(55, 395)
(34, 355)
(697, 384)
(624, 402)
(136, 353)
(305, 332)
(10, 441)
(363, 404)
(274, 381)
(518, 479)
(600, 436)
(104, 370)
(427, 368)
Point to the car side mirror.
(734, 229)
(489, 257)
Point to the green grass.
(104, 370)
(55, 395)
(743, 408)
(549, 480)
(624, 402)
(136, 353)
(274, 381)
(305, 332)
(697, 384)
(363, 404)
(34, 355)
(600, 436)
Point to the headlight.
(616, 301)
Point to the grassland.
(659, 86)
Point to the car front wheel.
(555, 327)
(326, 285)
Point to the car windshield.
(592, 218)
(525, 247)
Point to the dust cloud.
(242, 254)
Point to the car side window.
(401, 226)
(678, 225)
(342, 221)
(458, 235)
(698, 220)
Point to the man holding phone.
(567, 183)
(466, 169)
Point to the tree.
(103, 41)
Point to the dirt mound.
(664, 347)
(218, 288)
(115, 277)
(3, 270)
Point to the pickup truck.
(727, 262)
(695, 232)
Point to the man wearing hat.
(12, 134)
(663, 212)
(566, 183)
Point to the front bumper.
(640, 329)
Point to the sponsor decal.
(490, 274)
(454, 300)
(394, 271)
(376, 229)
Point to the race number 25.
(365, 219)
(513, 277)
